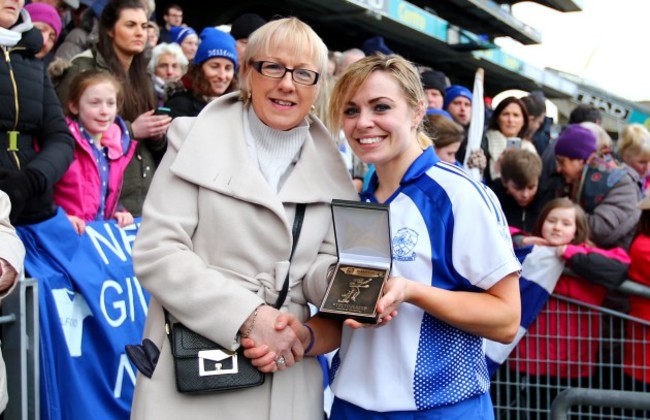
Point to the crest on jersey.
(404, 242)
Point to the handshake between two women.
(275, 340)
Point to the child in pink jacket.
(90, 188)
(562, 345)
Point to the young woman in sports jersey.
(454, 277)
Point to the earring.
(249, 94)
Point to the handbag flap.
(187, 344)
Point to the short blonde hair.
(290, 32)
(403, 72)
(635, 140)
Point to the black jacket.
(182, 101)
(523, 218)
(30, 112)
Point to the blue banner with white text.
(91, 306)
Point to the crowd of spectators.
(53, 139)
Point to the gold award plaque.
(354, 292)
(362, 233)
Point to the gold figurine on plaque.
(364, 249)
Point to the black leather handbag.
(201, 365)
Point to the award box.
(363, 245)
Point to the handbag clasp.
(217, 362)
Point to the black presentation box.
(363, 245)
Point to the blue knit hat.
(376, 44)
(454, 91)
(98, 7)
(179, 33)
(434, 111)
(216, 43)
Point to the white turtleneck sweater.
(274, 152)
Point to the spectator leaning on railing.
(607, 194)
(561, 355)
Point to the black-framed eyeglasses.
(277, 71)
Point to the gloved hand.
(19, 186)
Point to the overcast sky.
(606, 44)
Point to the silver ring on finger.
(280, 362)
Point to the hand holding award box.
(364, 251)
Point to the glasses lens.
(277, 71)
(304, 76)
(272, 69)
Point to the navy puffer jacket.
(36, 146)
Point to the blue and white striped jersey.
(449, 232)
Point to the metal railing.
(606, 389)
(20, 349)
(573, 345)
(569, 398)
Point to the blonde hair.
(402, 71)
(635, 140)
(292, 33)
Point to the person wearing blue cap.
(210, 75)
(187, 38)
(458, 102)
(376, 45)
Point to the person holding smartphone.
(506, 130)
(120, 51)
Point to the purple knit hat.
(42, 12)
(575, 142)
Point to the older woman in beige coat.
(12, 255)
(215, 238)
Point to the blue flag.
(540, 271)
(91, 306)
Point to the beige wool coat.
(12, 252)
(214, 244)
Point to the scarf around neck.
(11, 37)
